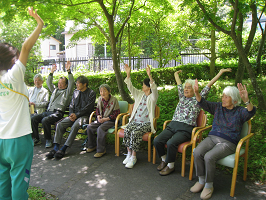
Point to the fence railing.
(97, 64)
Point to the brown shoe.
(161, 166)
(90, 150)
(197, 187)
(166, 171)
(98, 155)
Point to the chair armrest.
(91, 116)
(125, 119)
(165, 123)
(241, 142)
(117, 120)
(199, 133)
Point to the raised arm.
(148, 70)
(177, 79)
(196, 91)
(28, 44)
(244, 96)
(218, 76)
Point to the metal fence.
(97, 64)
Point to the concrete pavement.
(80, 176)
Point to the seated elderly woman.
(141, 120)
(224, 136)
(107, 110)
(184, 120)
(38, 95)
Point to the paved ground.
(80, 176)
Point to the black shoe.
(51, 154)
(59, 154)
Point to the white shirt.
(14, 108)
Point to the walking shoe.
(59, 154)
(125, 161)
(51, 154)
(130, 164)
(88, 150)
(161, 166)
(98, 155)
(206, 193)
(165, 171)
(197, 187)
(36, 141)
(48, 144)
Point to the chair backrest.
(123, 105)
(202, 119)
(246, 129)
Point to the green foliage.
(35, 193)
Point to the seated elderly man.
(184, 120)
(80, 108)
(225, 134)
(38, 95)
(60, 98)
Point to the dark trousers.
(174, 134)
(47, 119)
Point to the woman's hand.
(243, 92)
(226, 70)
(148, 70)
(127, 70)
(177, 79)
(196, 90)
(35, 16)
(68, 65)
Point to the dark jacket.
(82, 103)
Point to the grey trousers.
(102, 130)
(64, 124)
(210, 150)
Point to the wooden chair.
(201, 122)
(233, 159)
(145, 137)
(124, 109)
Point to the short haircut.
(83, 79)
(8, 54)
(106, 86)
(233, 92)
(146, 81)
(190, 81)
(38, 76)
(64, 78)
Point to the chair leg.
(191, 167)
(233, 184)
(154, 156)
(245, 166)
(183, 162)
(149, 148)
(117, 145)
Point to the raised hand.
(127, 70)
(148, 70)
(243, 92)
(35, 16)
(68, 65)
(54, 68)
(226, 70)
(196, 86)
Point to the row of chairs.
(196, 137)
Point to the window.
(52, 47)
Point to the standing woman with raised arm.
(141, 120)
(16, 146)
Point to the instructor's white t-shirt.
(14, 108)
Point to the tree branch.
(219, 28)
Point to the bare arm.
(177, 79)
(28, 44)
(148, 70)
(218, 76)
(127, 70)
(196, 90)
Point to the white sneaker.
(131, 163)
(127, 159)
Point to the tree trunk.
(259, 94)
(213, 54)
(240, 71)
(258, 61)
(129, 48)
(119, 79)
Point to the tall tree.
(232, 26)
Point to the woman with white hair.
(184, 120)
(38, 95)
(224, 136)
